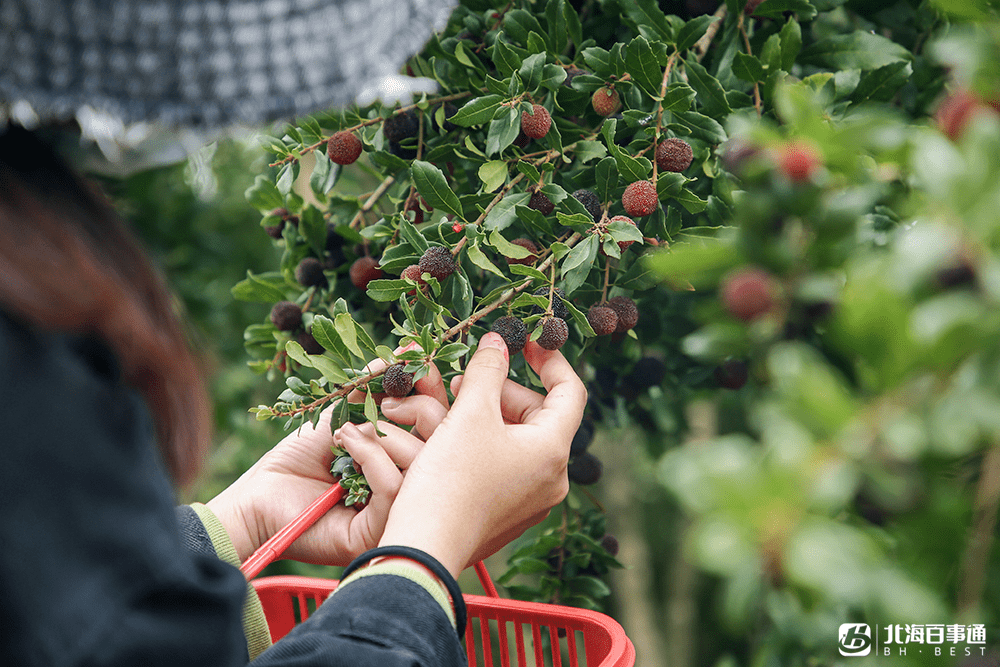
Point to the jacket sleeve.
(384, 619)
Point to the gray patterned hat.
(205, 63)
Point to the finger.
(432, 385)
(382, 475)
(566, 395)
(517, 403)
(358, 395)
(402, 447)
(484, 378)
(423, 412)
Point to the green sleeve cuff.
(254, 623)
(402, 568)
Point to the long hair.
(68, 263)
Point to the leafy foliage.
(844, 480)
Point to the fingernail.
(390, 403)
(493, 339)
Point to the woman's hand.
(296, 471)
(491, 467)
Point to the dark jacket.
(94, 569)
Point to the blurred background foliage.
(855, 476)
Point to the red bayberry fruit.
(640, 199)
(798, 161)
(343, 147)
(627, 312)
(396, 382)
(541, 203)
(752, 6)
(674, 155)
(956, 111)
(555, 332)
(309, 273)
(603, 320)
(438, 262)
(309, 342)
(749, 293)
(286, 316)
(731, 374)
(513, 332)
(536, 125)
(363, 271)
(606, 101)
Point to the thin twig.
(984, 520)
(701, 46)
(370, 203)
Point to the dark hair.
(68, 263)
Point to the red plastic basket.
(499, 631)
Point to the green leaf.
(506, 248)
(528, 170)
(518, 23)
(412, 235)
(791, 43)
(583, 252)
(263, 195)
(504, 57)
(257, 289)
(433, 187)
(451, 352)
(644, 66)
(371, 412)
(493, 175)
(775, 9)
(477, 257)
(387, 290)
(477, 111)
(606, 174)
(693, 30)
(692, 202)
(647, 16)
(880, 85)
(286, 177)
(631, 168)
(326, 335)
(710, 92)
(347, 330)
(679, 97)
(503, 214)
(555, 16)
(748, 68)
(523, 270)
(597, 59)
(531, 71)
(461, 295)
(503, 130)
(312, 226)
(854, 50)
(324, 175)
(552, 76)
(295, 351)
(702, 127)
(588, 150)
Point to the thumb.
(484, 377)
